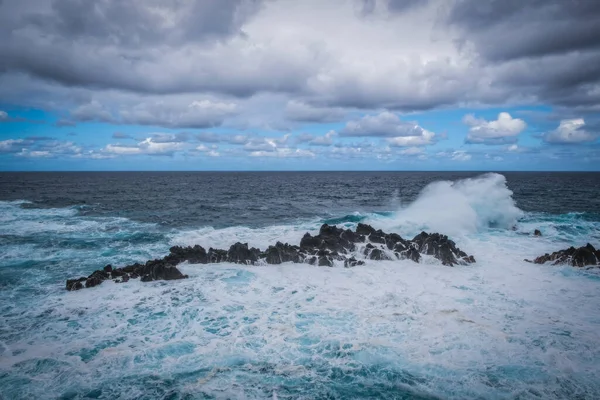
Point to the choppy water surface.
(501, 328)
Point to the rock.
(410, 254)
(363, 229)
(116, 273)
(281, 253)
(537, 233)
(239, 253)
(96, 278)
(353, 262)
(378, 254)
(159, 270)
(441, 248)
(217, 255)
(325, 261)
(329, 245)
(584, 256)
(75, 284)
(193, 255)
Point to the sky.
(486, 85)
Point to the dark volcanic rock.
(239, 253)
(585, 256)
(353, 262)
(157, 270)
(75, 284)
(217, 255)
(193, 255)
(442, 248)
(281, 253)
(331, 244)
(537, 232)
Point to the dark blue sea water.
(498, 329)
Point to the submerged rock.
(330, 245)
(585, 256)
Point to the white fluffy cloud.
(424, 139)
(570, 131)
(412, 151)
(12, 145)
(384, 124)
(503, 130)
(3, 115)
(325, 140)
(146, 146)
(285, 152)
(460, 155)
(387, 124)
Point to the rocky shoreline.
(331, 244)
(582, 257)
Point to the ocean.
(501, 328)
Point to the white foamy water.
(498, 329)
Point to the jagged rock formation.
(585, 256)
(331, 244)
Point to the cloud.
(412, 151)
(387, 124)
(548, 51)
(460, 155)
(201, 64)
(265, 144)
(13, 145)
(299, 111)
(40, 146)
(120, 135)
(525, 26)
(284, 153)
(209, 151)
(170, 137)
(92, 111)
(148, 146)
(197, 114)
(174, 114)
(209, 137)
(424, 139)
(503, 130)
(570, 131)
(326, 140)
(3, 115)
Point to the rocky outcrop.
(441, 248)
(331, 244)
(153, 270)
(582, 257)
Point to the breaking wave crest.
(464, 206)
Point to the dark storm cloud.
(549, 49)
(82, 56)
(125, 45)
(509, 29)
